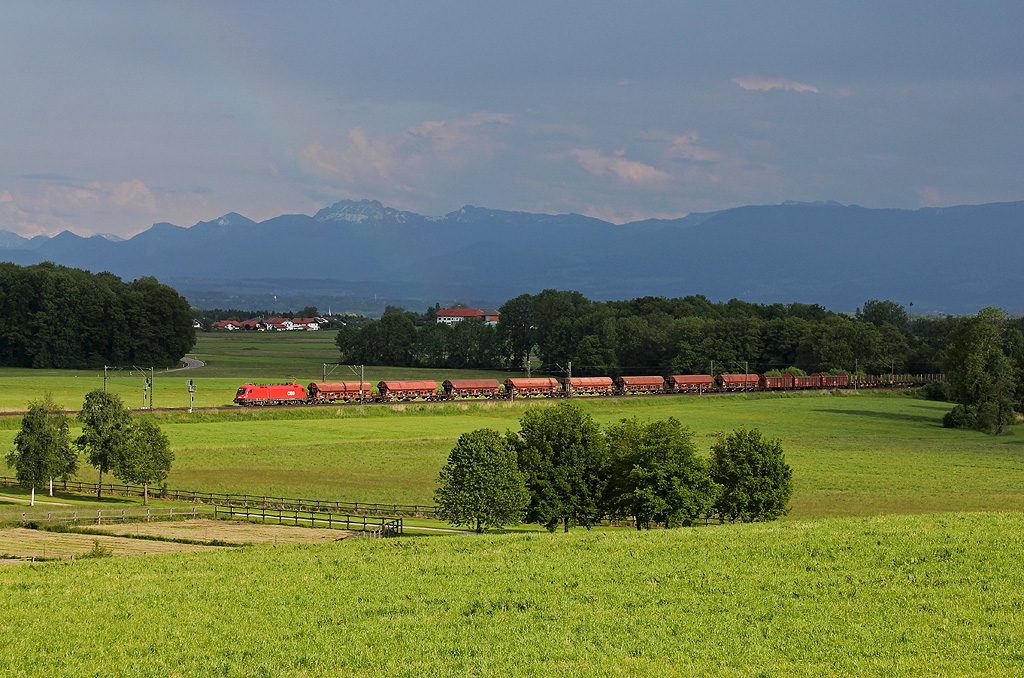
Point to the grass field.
(938, 595)
(231, 359)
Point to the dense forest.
(57, 317)
(688, 335)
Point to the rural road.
(190, 364)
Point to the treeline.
(688, 335)
(57, 317)
(404, 339)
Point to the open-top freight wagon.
(588, 385)
(332, 391)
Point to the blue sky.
(116, 115)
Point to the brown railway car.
(640, 384)
(470, 388)
(841, 380)
(589, 385)
(682, 383)
(809, 381)
(330, 391)
(407, 390)
(521, 386)
(738, 382)
(783, 382)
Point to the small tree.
(146, 456)
(42, 448)
(481, 484)
(105, 424)
(755, 478)
(656, 474)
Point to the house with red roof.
(450, 316)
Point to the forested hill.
(953, 260)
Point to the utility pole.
(527, 366)
(104, 378)
(568, 384)
(353, 368)
(746, 369)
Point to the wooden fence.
(102, 516)
(244, 500)
(372, 526)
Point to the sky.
(117, 115)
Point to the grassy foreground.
(937, 595)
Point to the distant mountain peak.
(109, 236)
(364, 211)
(234, 219)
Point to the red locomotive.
(271, 394)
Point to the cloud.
(396, 163)
(760, 84)
(47, 207)
(631, 171)
(684, 146)
(929, 196)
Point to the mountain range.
(942, 260)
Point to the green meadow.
(931, 595)
(230, 360)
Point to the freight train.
(550, 387)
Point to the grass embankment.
(933, 595)
(855, 454)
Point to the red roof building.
(450, 316)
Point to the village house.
(450, 316)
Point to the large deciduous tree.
(564, 456)
(756, 481)
(980, 373)
(42, 448)
(481, 485)
(106, 424)
(145, 457)
(656, 474)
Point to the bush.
(936, 390)
(959, 417)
